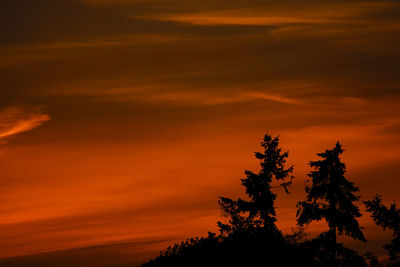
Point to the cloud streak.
(176, 94)
(15, 120)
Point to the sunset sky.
(122, 121)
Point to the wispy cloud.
(176, 94)
(16, 119)
(272, 97)
(271, 14)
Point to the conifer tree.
(330, 196)
(387, 218)
(258, 212)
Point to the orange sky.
(121, 122)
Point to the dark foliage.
(331, 197)
(259, 210)
(239, 250)
(327, 253)
(387, 217)
(372, 260)
(258, 249)
(251, 238)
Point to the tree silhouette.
(386, 218)
(258, 212)
(251, 238)
(331, 197)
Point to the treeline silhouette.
(250, 236)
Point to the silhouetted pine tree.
(331, 197)
(258, 213)
(387, 218)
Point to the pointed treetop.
(330, 196)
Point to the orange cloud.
(231, 19)
(353, 13)
(15, 120)
(176, 94)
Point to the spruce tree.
(258, 212)
(330, 196)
